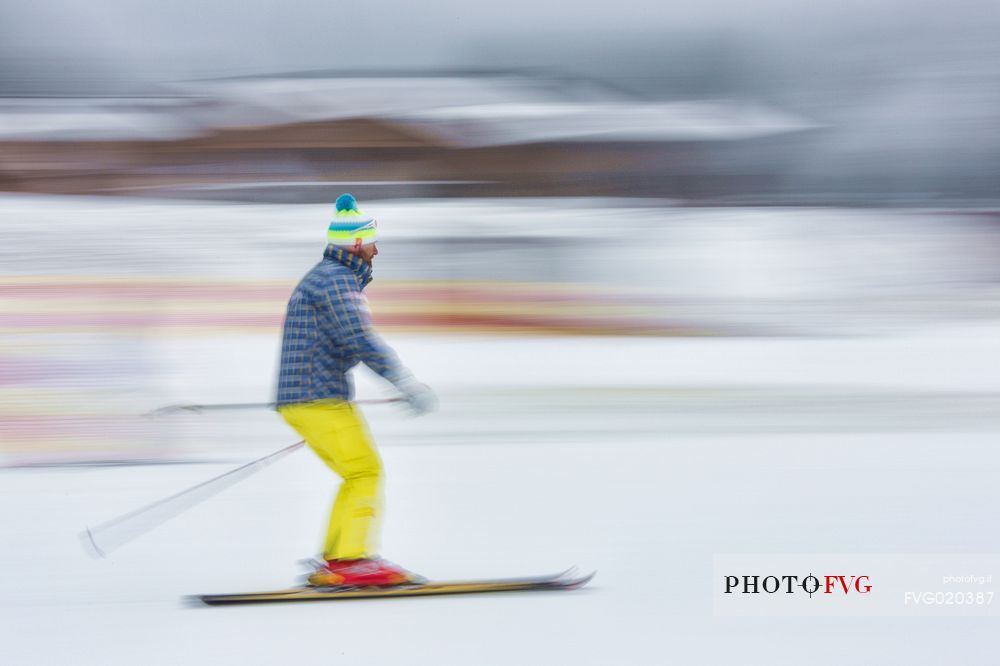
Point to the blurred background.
(649, 224)
(167, 172)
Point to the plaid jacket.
(327, 332)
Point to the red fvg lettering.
(860, 584)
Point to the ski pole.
(110, 535)
(231, 406)
(116, 532)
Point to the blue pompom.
(346, 202)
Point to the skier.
(327, 331)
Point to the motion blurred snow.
(691, 320)
(820, 381)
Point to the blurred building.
(292, 138)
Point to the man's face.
(368, 252)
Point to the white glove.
(419, 397)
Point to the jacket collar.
(362, 269)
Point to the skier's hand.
(419, 398)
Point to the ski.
(562, 581)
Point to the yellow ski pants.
(336, 431)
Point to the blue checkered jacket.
(327, 332)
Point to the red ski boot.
(366, 572)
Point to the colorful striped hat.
(350, 226)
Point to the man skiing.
(327, 332)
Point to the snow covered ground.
(639, 458)
(642, 458)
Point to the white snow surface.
(640, 458)
(611, 454)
